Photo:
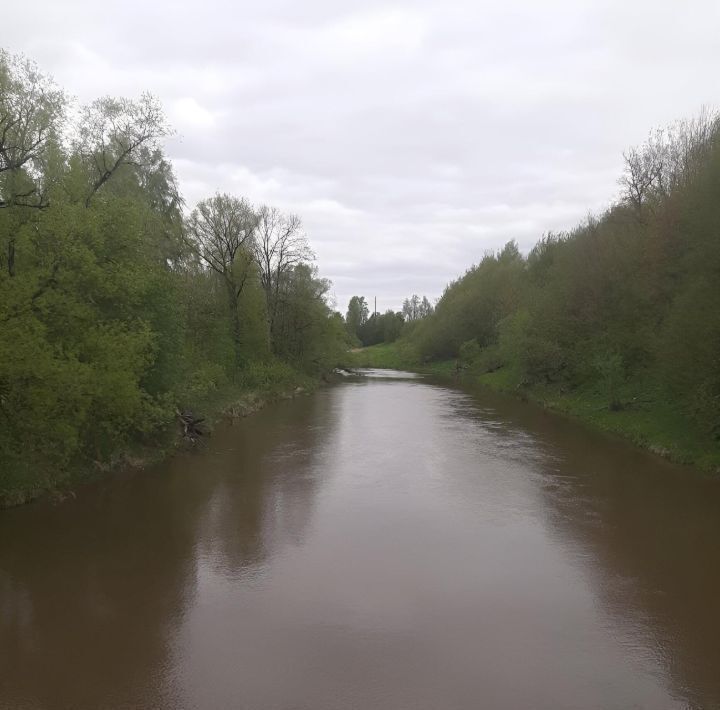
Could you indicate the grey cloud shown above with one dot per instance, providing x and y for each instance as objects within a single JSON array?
[{"x": 411, "y": 137}]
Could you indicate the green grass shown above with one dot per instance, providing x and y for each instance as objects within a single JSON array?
[
  {"x": 392, "y": 356},
  {"x": 647, "y": 418}
]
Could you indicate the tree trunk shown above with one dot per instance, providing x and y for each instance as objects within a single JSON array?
[
  {"x": 11, "y": 257},
  {"x": 234, "y": 316}
]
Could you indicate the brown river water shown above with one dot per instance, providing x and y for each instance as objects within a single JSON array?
[{"x": 387, "y": 543}]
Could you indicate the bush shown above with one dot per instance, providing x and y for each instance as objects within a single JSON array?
[
  {"x": 469, "y": 351},
  {"x": 611, "y": 370}
]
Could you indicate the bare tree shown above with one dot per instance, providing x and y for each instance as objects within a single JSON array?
[
  {"x": 667, "y": 159},
  {"x": 116, "y": 132},
  {"x": 280, "y": 246},
  {"x": 643, "y": 172},
  {"x": 688, "y": 143},
  {"x": 221, "y": 231}
]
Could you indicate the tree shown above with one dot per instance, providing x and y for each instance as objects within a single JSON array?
[
  {"x": 415, "y": 308},
  {"x": 411, "y": 307},
  {"x": 32, "y": 110},
  {"x": 643, "y": 171},
  {"x": 357, "y": 314},
  {"x": 117, "y": 132},
  {"x": 381, "y": 328},
  {"x": 116, "y": 312},
  {"x": 280, "y": 246},
  {"x": 221, "y": 231},
  {"x": 668, "y": 159},
  {"x": 307, "y": 332}
]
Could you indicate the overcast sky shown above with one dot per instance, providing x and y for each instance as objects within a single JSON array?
[{"x": 411, "y": 137}]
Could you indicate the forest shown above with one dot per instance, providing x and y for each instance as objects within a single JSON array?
[
  {"x": 621, "y": 313},
  {"x": 121, "y": 307}
]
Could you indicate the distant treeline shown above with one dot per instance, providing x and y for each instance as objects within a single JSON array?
[
  {"x": 118, "y": 309},
  {"x": 370, "y": 329},
  {"x": 631, "y": 296}
]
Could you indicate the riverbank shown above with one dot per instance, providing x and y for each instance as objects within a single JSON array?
[
  {"x": 256, "y": 389},
  {"x": 646, "y": 418}
]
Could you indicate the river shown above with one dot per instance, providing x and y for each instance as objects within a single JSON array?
[{"x": 386, "y": 543}]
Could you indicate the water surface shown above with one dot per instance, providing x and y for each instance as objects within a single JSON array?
[{"x": 386, "y": 543}]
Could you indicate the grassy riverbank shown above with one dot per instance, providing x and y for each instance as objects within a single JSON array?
[
  {"x": 258, "y": 386},
  {"x": 645, "y": 417}
]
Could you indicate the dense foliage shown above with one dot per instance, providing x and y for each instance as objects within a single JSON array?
[
  {"x": 629, "y": 298},
  {"x": 371, "y": 329},
  {"x": 117, "y": 308}
]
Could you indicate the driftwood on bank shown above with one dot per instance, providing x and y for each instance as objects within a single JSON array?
[{"x": 190, "y": 425}]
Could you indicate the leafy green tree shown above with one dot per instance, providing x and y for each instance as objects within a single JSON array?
[
  {"x": 118, "y": 132},
  {"x": 357, "y": 314},
  {"x": 381, "y": 328},
  {"x": 32, "y": 111},
  {"x": 626, "y": 298},
  {"x": 308, "y": 333},
  {"x": 416, "y": 308},
  {"x": 115, "y": 310}
]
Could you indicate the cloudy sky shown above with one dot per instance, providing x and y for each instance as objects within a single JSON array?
[{"x": 411, "y": 137}]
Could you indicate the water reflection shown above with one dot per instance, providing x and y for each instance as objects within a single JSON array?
[
  {"x": 266, "y": 478},
  {"x": 91, "y": 589},
  {"x": 386, "y": 543},
  {"x": 645, "y": 532}
]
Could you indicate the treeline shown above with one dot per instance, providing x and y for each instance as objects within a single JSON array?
[
  {"x": 118, "y": 309},
  {"x": 370, "y": 329},
  {"x": 627, "y": 302}
]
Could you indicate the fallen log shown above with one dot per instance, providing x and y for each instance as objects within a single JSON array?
[{"x": 189, "y": 424}]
